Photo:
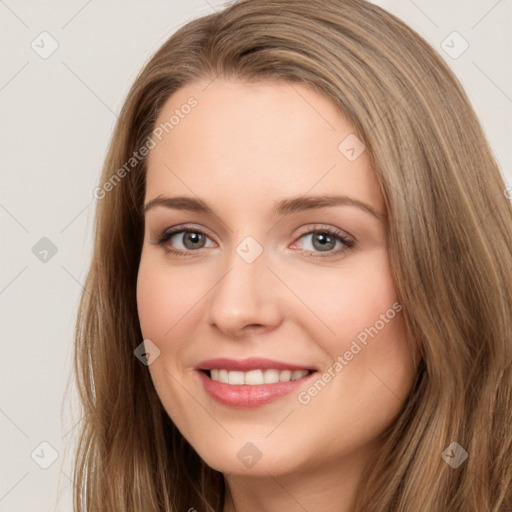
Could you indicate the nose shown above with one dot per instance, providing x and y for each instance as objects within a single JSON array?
[{"x": 245, "y": 299}]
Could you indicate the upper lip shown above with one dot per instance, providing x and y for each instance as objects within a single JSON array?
[{"x": 251, "y": 363}]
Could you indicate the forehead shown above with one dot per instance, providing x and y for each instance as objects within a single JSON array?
[{"x": 242, "y": 143}]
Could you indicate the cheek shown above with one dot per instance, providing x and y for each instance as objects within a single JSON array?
[
  {"x": 374, "y": 369},
  {"x": 165, "y": 306},
  {"x": 166, "y": 300},
  {"x": 152, "y": 301},
  {"x": 364, "y": 326},
  {"x": 351, "y": 298}
]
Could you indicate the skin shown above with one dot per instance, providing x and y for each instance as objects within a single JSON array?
[{"x": 241, "y": 149}]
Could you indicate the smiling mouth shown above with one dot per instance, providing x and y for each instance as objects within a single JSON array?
[
  {"x": 255, "y": 377},
  {"x": 251, "y": 383}
]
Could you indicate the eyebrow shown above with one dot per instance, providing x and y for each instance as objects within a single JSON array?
[{"x": 281, "y": 207}]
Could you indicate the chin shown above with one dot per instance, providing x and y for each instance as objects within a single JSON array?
[{"x": 241, "y": 457}]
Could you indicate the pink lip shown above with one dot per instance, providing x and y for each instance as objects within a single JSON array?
[
  {"x": 243, "y": 395},
  {"x": 245, "y": 365}
]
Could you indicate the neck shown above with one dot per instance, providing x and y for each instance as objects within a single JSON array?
[{"x": 330, "y": 487}]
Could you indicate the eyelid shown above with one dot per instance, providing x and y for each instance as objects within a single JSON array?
[
  {"x": 308, "y": 229},
  {"x": 182, "y": 227},
  {"x": 327, "y": 227},
  {"x": 347, "y": 240}
]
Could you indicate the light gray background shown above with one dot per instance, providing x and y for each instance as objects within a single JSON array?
[{"x": 57, "y": 117}]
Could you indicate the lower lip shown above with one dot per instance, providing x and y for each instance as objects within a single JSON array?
[{"x": 248, "y": 396}]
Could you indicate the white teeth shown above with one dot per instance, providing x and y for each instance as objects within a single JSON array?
[
  {"x": 271, "y": 376},
  {"x": 285, "y": 375},
  {"x": 253, "y": 377},
  {"x": 256, "y": 377},
  {"x": 236, "y": 377},
  {"x": 298, "y": 374}
]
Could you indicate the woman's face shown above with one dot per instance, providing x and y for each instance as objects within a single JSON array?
[{"x": 282, "y": 272}]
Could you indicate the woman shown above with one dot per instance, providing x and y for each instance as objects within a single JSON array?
[{"x": 300, "y": 294}]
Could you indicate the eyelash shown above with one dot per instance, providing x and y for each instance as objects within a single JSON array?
[{"x": 336, "y": 234}]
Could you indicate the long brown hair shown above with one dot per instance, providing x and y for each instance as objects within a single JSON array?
[{"x": 449, "y": 239}]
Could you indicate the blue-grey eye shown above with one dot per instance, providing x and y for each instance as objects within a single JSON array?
[{"x": 190, "y": 239}]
